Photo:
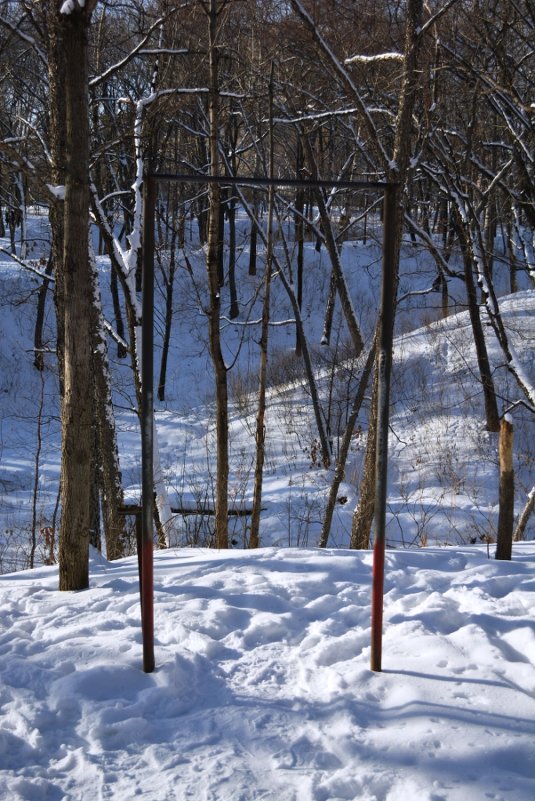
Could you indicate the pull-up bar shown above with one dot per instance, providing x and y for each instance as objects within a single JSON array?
[{"x": 384, "y": 366}]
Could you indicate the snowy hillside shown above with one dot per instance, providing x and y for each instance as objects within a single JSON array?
[
  {"x": 262, "y": 688},
  {"x": 443, "y": 472}
]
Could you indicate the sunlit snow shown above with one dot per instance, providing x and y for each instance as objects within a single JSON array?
[{"x": 262, "y": 687}]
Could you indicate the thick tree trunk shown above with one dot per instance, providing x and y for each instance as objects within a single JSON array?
[
  {"x": 329, "y": 311},
  {"x": 77, "y": 414}
]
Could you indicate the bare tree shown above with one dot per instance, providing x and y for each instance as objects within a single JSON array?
[{"x": 77, "y": 413}]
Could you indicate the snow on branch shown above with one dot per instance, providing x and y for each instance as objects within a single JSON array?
[
  {"x": 515, "y": 405},
  {"x": 360, "y": 59},
  {"x": 38, "y": 134},
  {"x": 58, "y": 191},
  {"x": 347, "y": 80},
  {"x": 77, "y": 5},
  {"x": 249, "y": 323},
  {"x": 71, "y": 5},
  {"x": 435, "y": 252},
  {"x": 25, "y": 37},
  {"x": 114, "y": 335},
  {"x": 158, "y": 51},
  {"x": 436, "y": 16},
  {"x": 18, "y": 160},
  {"x": 28, "y": 266},
  {"x": 315, "y": 116},
  {"x": 115, "y": 67}
]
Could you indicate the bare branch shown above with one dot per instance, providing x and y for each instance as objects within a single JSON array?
[{"x": 25, "y": 38}]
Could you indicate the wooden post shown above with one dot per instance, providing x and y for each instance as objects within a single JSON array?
[{"x": 504, "y": 545}]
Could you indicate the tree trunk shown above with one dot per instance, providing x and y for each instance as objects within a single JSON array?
[
  {"x": 299, "y": 235},
  {"x": 339, "y": 470},
  {"x": 489, "y": 395},
  {"x": 329, "y": 311},
  {"x": 253, "y": 239},
  {"x": 77, "y": 413},
  {"x": 309, "y": 370},
  {"x": 2, "y": 225},
  {"x": 524, "y": 516},
  {"x": 504, "y": 543},
  {"x": 213, "y": 268},
  {"x": 117, "y": 311},
  {"x": 95, "y": 538},
  {"x": 169, "y": 290},
  {"x": 363, "y": 516},
  {"x": 334, "y": 256},
  {"x": 254, "y": 540},
  {"x": 231, "y": 216},
  {"x": 398, "y": 172},
  {"x": 56, "y": 83},
  {"x": 38, "y": 357},
  {"x": 109, "y": 472}
]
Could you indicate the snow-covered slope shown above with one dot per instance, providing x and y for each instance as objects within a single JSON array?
[{"x": 443, "y": 473}]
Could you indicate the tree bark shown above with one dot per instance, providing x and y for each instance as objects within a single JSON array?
[
  {"x": 397, "y": 171},
  {"x": 56, "y": 83},
  {"x": 109, "y": 479},
  {"x": 77, "y": 413},
  {"x": 214, "y": 311},
  {"x": 524, "y": 516},
  {"x": 169, "y": 282},
  {"x": 489, "y": 395},
  {"x": 504, "y": 544},
  {"x": 363, "y": 516},
  {"x": 254, "y": 540},
  {"x": 38, "y": 343},
  {"x": 339, "y": 470}
]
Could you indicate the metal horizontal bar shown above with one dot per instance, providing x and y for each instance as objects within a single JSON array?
[{"x": 237, "y": 180}]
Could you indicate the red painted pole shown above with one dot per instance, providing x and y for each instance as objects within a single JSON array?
[
  {"x": 384, "y": 367},
  {"x": 147, "y": 427}
]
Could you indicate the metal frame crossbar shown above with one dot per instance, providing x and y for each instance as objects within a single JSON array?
[{"x": 384, "y": 364}]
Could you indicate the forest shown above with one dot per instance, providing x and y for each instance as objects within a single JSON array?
[{"x": 268, "y": 284}]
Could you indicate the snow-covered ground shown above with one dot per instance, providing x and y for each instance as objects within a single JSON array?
[{"x": 262, "y": 687}]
